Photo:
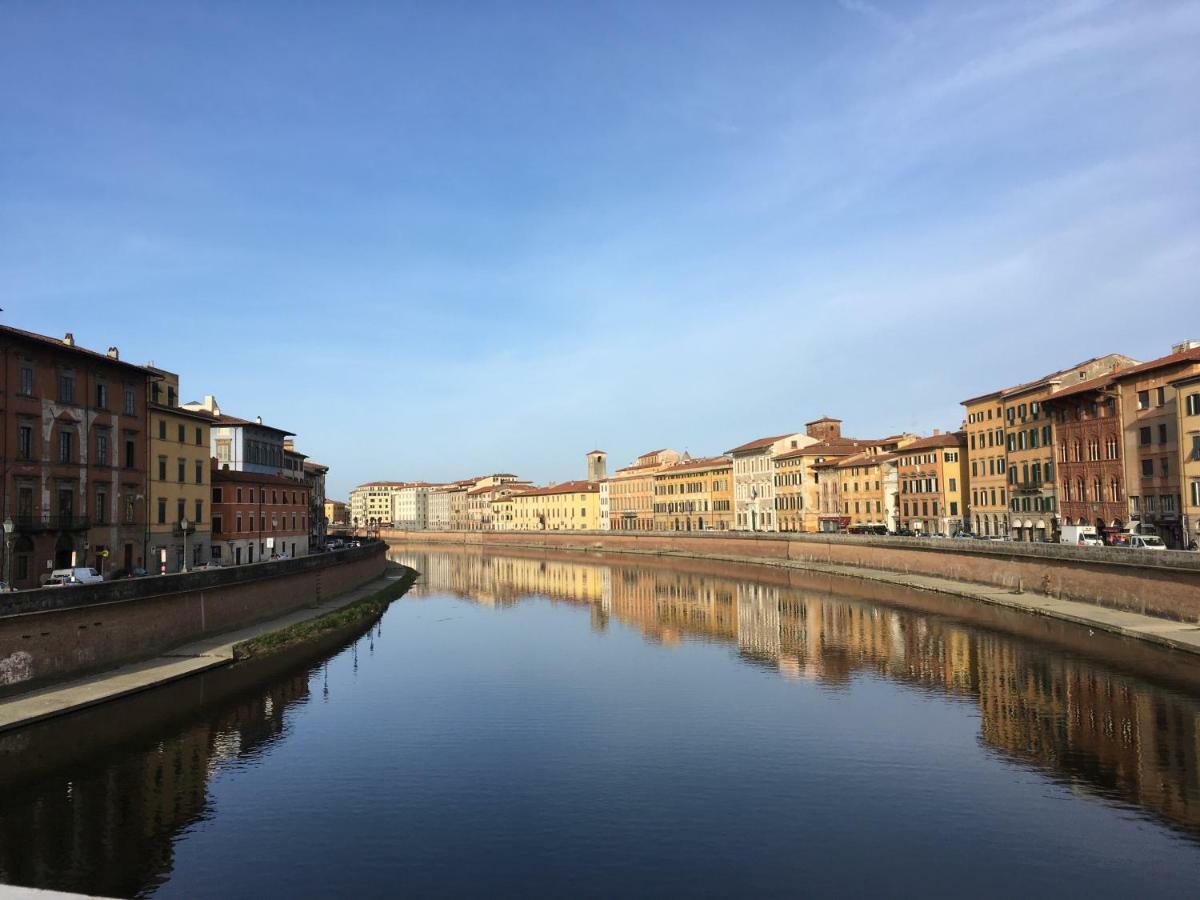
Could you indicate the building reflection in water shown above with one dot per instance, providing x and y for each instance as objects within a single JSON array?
[
  {"x": 107, "y": 824},
  {"x": 1116, "y": 734}
]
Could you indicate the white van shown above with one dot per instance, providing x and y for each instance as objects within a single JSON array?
[
  {"x": 77, "y": 575},
  {"x": 1146, "y": 542}
]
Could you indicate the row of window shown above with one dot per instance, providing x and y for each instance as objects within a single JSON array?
[
  {"x": 66, "y": 391},
  {"x": 65, "y": 510},
  {"x": 181, "y": 433},
  {"x": 180, "y": 511},
  {"x": 981, "y": 497},
  {"x": 1112, "y": 450},
  {"x": 278, "y": 522},
  {"x": 296, "y": 497},
  {"x": 181, "y": 470},
  {"x": 68, "y": 446}
]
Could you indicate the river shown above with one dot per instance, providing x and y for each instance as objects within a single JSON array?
[{"x": 586, "y": 725}]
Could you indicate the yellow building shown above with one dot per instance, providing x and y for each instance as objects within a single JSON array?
[
  {"x": 867, "y": 488},
  {"x": 933, "y": 484},
  {"x": 1187, "y": 403},
  {"x": 987, "y": 512},
  {"x": 179, "y": 480},
  {"x": 337, "y": 512},
  {"x": 570, "y": 506},
  {"x": 694, "y": 495}
]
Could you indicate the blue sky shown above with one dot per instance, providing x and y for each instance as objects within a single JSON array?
[{"x": 447, "y": 238}]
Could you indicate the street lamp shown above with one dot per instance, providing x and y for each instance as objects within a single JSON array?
[
  {"x": 9, "y": 527},
  {"x": 183, "y": 526}
]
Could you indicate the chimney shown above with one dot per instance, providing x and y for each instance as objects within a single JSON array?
[
  {"x": 1185, "y": 346},
  {"x": 936, "y": 432},
  {"x": 69, "y": 340},
  {"x": 258, "y": 420},
  {"x": 114, "y": 353}
]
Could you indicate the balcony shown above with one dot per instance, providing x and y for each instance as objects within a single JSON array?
[
  {"x": 38, "y": 524},
  {"x": 1030, "y": 487}
]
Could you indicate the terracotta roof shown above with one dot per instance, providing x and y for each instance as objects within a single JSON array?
[
  {"x": 57, "y": 344},
  {"x": 833, "y": 447},
  {"x": 313, "y": 465},
  {"x": 590, "y": 452},
  {"x": 371, "y": 484},
  {"x": 1162, "y": 362},
  {"x": 1028, "y": 385},
  {"x": 951, "y": 439},
  {"x": 567, "y": 487},
  {"x": 1092, "y": 384},
  {"x": 234, "y": 421},
  {"x": 180, "y": 411},
  {"x": 863, "y": 459},
  {"x": 822, "y": 419},
  {"x": 700, "y": 463},
  {"x": 760, "y": 443}
]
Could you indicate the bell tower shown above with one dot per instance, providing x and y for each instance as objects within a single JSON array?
[{"x": 597, "y": 466}]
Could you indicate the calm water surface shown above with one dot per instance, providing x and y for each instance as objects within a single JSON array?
[{"x": 574, "y": 725}]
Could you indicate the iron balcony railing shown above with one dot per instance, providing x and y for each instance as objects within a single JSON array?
[{"x": 28, "y": 524}]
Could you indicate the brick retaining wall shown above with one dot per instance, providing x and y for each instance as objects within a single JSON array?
[
  {"x": 1156, "y": 583},
  {"x": 58, "y": 633}
]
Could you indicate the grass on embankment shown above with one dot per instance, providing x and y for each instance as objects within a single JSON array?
[{"x": 369, "y": 607}]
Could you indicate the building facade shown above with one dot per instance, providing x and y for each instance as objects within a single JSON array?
[
  {"x": 1025, "y": 456},
  {"x": 257, "y": 518},
  {"x": 754, "y": 479},
  {"x": 75, "y": 479},
  {"x": 439, "y": 507},
  {"x": 987, "y": 457},
  {"x": 410, "y": 507},
  {"x": 933, "y": 481},
  {"x": 1090, "y": 453},
  {"x": 318, "y": 524},
  {"x": 570, "y": 506},
  {"x": 337, "y": 513},
  {"x": 243, "y": 445},
  {"x": 1188, "y": 406},
  {"x": 868, "y": 484},
  {"x": 694, "y": 495},
  {"x": 371, "y": 504},
  {"x": 631, "y": 491},
  {"x": 1150, "y": 418},
  {"x": 180, "y": 483}
]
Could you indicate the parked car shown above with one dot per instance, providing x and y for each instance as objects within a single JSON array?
[
  {"x": 79, "y": 574},
  {"x": 5, "y": 589},
  {"x": 55, "y": 581},
  {"x": 120, "y": 574},
  {"x": 211, "y": 564},
  {"x": 1145, "y": 542}
]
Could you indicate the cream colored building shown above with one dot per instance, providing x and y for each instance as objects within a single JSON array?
[
  {"x": 754, "y": 479},
  {"x": 570, "y": 506},
  {"x": 373, "y": 503}
]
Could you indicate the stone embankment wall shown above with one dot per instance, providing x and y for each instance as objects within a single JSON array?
[
  {"x": 1156, "y": 583},
  {"x": 57, "y": 633}
]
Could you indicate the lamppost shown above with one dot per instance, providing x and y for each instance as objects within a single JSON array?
[
  {"x": 183, "y": 526},
  {"x": 9, "y": 527}
]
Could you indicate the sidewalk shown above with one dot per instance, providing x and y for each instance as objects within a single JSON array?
[{"x": 189, "y": 659}]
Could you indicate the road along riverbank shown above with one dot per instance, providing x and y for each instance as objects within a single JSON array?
[
  {"x": 1150, "y": 596},
  {"x": 58, "y": 634},
  {"x": 323, "y": 622}
]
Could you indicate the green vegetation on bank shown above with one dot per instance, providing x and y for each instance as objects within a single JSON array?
[{"x": 369, "y": 607}]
